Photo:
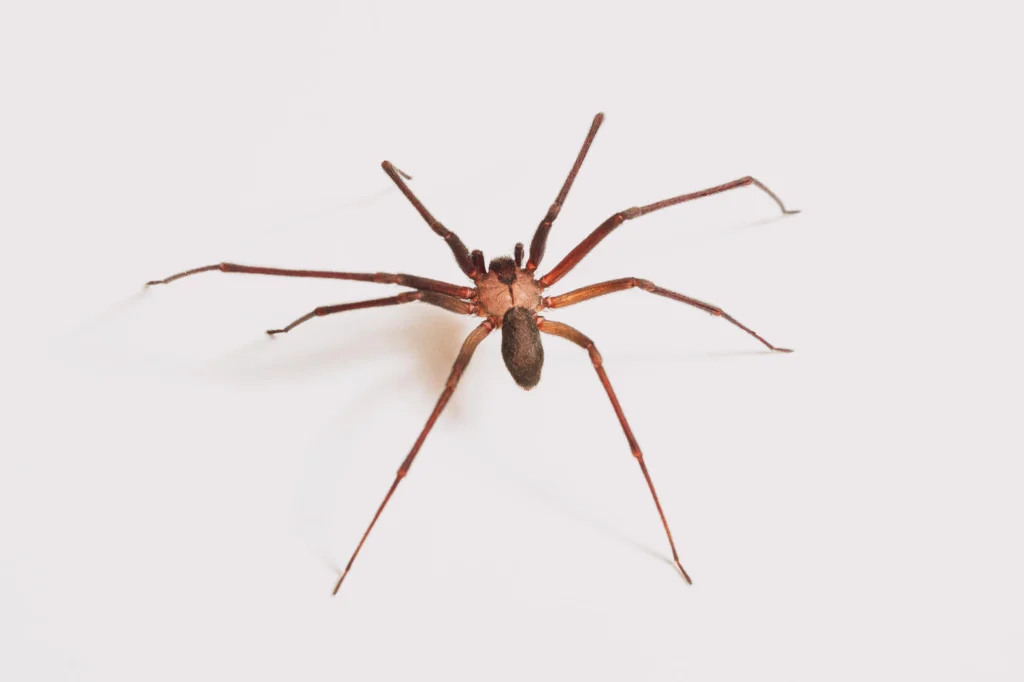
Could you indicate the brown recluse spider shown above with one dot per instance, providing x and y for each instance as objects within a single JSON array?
[{"x": 508, "y": 296}]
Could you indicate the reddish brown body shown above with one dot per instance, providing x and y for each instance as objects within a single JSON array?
[
  {"x": 509, "y": 297},
  {"x": 495, "y": 296}
]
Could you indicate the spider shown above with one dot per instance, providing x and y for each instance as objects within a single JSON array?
[{"x": 510, "y": 297}]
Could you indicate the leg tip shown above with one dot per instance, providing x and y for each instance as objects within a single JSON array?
[
  {"x": 337, "y": 586},
  {"x": 272, "y": 332},
  {"x": 791, "y": 211},
  {"x": 783, "y": 350}
]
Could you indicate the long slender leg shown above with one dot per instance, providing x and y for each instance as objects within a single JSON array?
[
  {"x": 612, "y": 286},
  {"x": 605, "y": 228},
  {"x": 540, "y": 237},
  {"x": 378, "y": 277},
  {"x": 459, "y": 250},
  {"x": 470, "y": 344},
  {"x": 451, "y": 303},
  {"x": 577, "y": 337}
]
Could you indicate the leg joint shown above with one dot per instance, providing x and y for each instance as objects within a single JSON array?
[{"x": 409, "y": 296}]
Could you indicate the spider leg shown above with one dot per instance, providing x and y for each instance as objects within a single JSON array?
[
  {"x": 577, "y": 337},
  {"x": 468, "y": 347},
  {"x": 540, "y": 237},
  {"x": 441, "y": 300},
  {"x": 604, "y": 229},
  {"x": 378, "y": 277},
  {"x": 459, "y": 250},
  {"x": 612, "y": 286}
]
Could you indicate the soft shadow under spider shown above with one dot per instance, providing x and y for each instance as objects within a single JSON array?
[
  {"x": 662, "y": 358},
  {"x": 425, "y": 339},
  {"x": 559, "y": 504},
  {"x": 748, "y": 225},
  {"x": 104, "y": 315},
  {"x": 508, "y": 296}
]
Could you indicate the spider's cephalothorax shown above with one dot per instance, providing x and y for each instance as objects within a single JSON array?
[{"x": 509, "y": 297}]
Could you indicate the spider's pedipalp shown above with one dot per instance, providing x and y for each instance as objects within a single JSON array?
[{"x": 479, "y": 265}]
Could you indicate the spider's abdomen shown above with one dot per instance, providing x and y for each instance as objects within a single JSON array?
[{"x": 521, "y": 347}]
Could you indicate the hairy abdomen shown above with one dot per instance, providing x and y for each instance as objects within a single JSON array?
[{"x": 521, "y": 347}]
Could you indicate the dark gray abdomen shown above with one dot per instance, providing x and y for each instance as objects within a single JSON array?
[{"x": 521, "y": 347}]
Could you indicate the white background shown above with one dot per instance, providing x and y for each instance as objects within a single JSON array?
[{"x": 178, "y": 491}]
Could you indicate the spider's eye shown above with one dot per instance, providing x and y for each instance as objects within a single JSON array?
[{"x": 521, "y": 347}]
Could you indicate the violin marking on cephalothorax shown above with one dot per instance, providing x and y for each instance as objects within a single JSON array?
[{"x": 505, "y": 286}]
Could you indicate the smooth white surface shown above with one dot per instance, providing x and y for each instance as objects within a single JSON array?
[{"x": 177, "y": 491}]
